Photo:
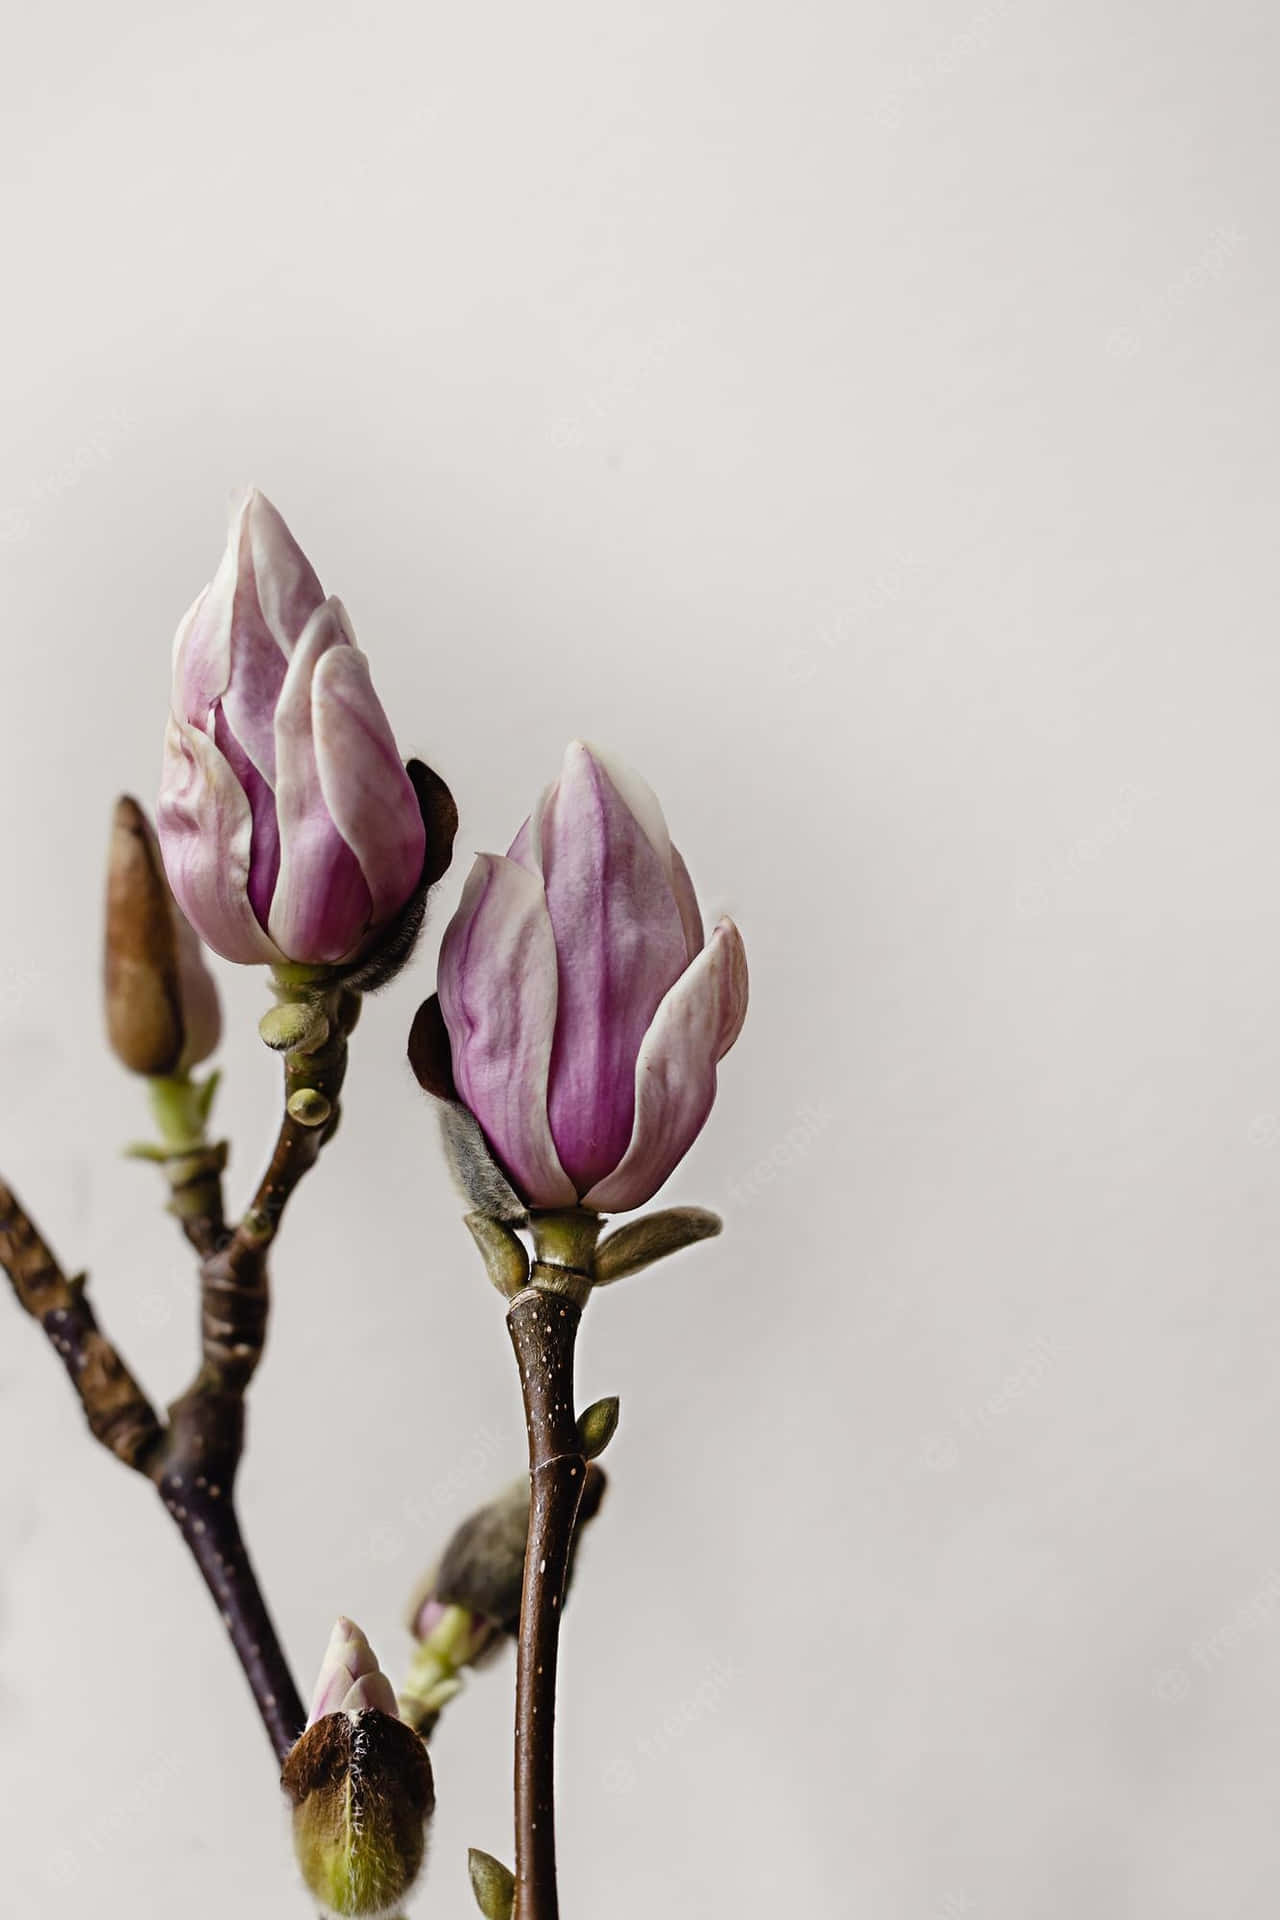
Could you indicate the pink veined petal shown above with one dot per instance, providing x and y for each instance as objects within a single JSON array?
[
  {"x": 620, "y": 945},
  {"x": 637, "y": 796},
  {"x": 369, "y": 795},
  {"x": 276, "y": 594},
  {"x": 497, "y": 985},
  {"x": 264, "y": 855},
  {"x": 321, "y": 906},
  {"x": 202, "y": 649},
  {"x": 288, "y": 590},
  {"x": 205, "y": 828},
  {"x": 642, "y": 802},
  {"x": 694, "y": 1028}
]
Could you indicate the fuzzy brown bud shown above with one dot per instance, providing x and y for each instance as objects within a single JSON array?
[
  {"x": 161, "y": 1001},
  {"x": 362, "y": 1793}
]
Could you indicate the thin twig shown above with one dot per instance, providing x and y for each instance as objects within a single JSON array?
[
  {"x": 543, "y": 1327},
  {"x": 193, "y": 1459}
]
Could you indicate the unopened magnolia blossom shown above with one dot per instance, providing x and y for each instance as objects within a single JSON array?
[
  {"x": 350, "y": 1679},
  {"x": 585, "y": 1012},
  {"x": 289, "y": 827}
]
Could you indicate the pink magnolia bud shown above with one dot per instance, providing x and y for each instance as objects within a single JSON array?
[
  {"x": 584, "y": 1012},
  {"x": 289, "y": 827},
  {"x": 360, "y": 1785},
  {"x": 350, "y": 1679}
]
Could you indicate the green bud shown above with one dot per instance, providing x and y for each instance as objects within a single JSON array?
[
  {"x": 493, "y": 1884},
  {"x": 362, "y": 1795},
  {"x": 309, "y": 1107},
  {"x": 295, "y": 1025},
  {"x": 502, "y": 1251},
  {"x": 651, "y": 1238},
  {"x": 597, "y": 1426}
]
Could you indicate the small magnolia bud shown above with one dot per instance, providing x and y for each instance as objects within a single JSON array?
[
  {"x": 295, "y": 1024},
  {"x": 597, "y": 1426},
  {"x": 361, "y": 1786},
  {"x": 309, "y": 1107},
  {"x": 161, "y": 1001},
  {"x": 462, "y": 1611},
  {"x": 493, "y": 1884},
  {"x": 482, "y": 1567}
]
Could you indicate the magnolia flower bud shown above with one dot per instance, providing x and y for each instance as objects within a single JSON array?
[
  {"x": 584, "y": 1011},
  {"x": 290, "y": 829},
  {"x": 161, "y": 1002},
  {"x": 465, "y": 1608},
  {"x": 361, "y": 1787}
]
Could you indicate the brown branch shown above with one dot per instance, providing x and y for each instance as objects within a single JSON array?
[
  {"x": 195, "y": 1189},
  {"x": 120, "y": 1416},
  {"x": 543, "y": 1326},
  {"x": 193, "y": 1460}
]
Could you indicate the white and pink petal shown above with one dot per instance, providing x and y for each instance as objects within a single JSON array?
[
  {"x": 675, "y": 1088},
  {"x": 498, "y": 995}
]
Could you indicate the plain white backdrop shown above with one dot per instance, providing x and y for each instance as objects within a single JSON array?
[{"x": 863, "y": 420}]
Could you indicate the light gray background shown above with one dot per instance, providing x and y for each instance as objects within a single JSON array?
[{"x": 862, "y": 420}]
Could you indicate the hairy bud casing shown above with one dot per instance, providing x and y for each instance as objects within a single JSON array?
[{"x": 362, "y": 1793}]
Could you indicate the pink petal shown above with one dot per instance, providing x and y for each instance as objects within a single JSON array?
[
  {"x": 637, "y": 796},
  {"x": 368, "y": 794},
  {"x": 348, "y": 1659},
  {"x": 205, "y": 827},
  {"x": 372, "y": 1690},
  {"x": 321, "y": 905},
  {"x": 288, "y": 590},
  {"x": 695, "y": 1026},
  {"x": 202, "y": 649},
  {"x": 497, "y": 985},
  {"x": 264, "y": 856},
  {"x": 277, "y": 592},
  {"x": 620, "y": 944}
]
